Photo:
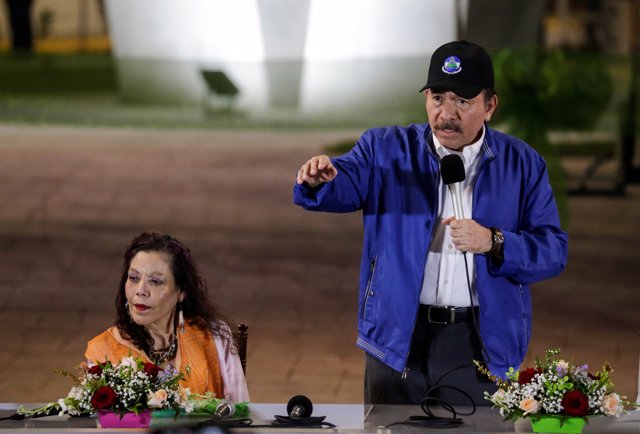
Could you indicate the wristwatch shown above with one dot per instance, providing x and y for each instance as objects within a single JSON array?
[{"x": 497, "y": 242}]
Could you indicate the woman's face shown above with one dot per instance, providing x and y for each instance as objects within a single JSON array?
[{"x": 151, "y": 290}]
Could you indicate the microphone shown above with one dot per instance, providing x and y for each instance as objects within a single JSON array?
[
  {"x": 299, "y": 409},
  {"x": 299, "y": 406},
  {"x": 452, "y": 172},
  {"x": 224, "y": 409}
]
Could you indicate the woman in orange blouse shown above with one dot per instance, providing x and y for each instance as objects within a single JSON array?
[{"x": 164, "y": 315}]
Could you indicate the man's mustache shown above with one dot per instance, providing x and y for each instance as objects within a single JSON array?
[{"x": 449, "y": 126}]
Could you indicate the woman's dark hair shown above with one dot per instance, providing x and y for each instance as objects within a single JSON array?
[{"x": 198, "y": 309}]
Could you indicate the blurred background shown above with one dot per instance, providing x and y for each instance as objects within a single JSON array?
[{"x": 193, "y": 117}]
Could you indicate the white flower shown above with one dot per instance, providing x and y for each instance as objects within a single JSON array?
[
  {"x": 157, "y": 399},
  {"x": 611, "y": 405},
  {"x": 183, "y": 399},
  {"x": 75, "y": 412},
  {"x": 63, "y": 407},
  {"x": 130, "y": 362},
  {"x": 187, "y": 406},
  {"x": 183, "y": 394},
  {"x": 499, "y": 397},
  {"x": 530, "y": 406},
  {"x": 75, "y": 393}
]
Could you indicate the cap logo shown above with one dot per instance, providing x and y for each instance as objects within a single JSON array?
[{"x": 451, "y": 65}]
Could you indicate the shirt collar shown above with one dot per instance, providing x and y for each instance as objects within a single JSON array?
[{"x": 468, "y": 153}]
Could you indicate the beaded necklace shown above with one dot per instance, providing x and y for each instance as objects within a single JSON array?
[{"x": 162, "y": 355}]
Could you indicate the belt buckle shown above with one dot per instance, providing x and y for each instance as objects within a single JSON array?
[{"x": 452, "y": 311}]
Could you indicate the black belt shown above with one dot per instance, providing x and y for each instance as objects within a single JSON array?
[{"x": 446, "y": 314}]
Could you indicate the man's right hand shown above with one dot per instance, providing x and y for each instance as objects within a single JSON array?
[{"x": 317, "y": 170}]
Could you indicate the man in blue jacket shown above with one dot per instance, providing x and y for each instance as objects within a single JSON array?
[{"x": 427, "y": 309}]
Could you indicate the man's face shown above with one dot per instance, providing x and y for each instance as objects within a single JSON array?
[{"x": 456, "y": 121}]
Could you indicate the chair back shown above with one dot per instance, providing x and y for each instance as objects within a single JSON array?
[{"x": 242, "y": 335}]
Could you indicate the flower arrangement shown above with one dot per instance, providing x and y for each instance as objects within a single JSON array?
[
  {"x": 555, "y": 387},
  {"x": 131, "y": 386}
]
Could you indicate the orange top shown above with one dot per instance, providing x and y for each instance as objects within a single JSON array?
[{"x": 196, "y": 349}]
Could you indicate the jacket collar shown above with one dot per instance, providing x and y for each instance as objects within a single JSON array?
[{"x": 489, "y": 147}]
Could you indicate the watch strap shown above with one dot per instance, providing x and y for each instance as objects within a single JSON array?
[{"x": 497, "y": 242}]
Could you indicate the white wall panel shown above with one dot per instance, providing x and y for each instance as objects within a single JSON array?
[
  {"x": 186, "y": 29},
  {"x": 310, "y": 56},
  {"x": 355, "y": 29}
]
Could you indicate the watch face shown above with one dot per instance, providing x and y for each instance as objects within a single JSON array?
[{"x": 498, "y": 238}]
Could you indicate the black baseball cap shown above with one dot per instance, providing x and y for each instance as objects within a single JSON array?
[{"x": 461, "y": 67}]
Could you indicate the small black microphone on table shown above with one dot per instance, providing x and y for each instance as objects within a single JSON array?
[
  {"x": 299, "y": 406},
  {"x": 224, "y": 409},
  {"x": 452, "y": 172}
]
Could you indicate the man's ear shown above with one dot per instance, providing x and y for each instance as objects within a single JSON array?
[
  {"x": 181, "y": 296},
  {"x": 490, "y": 108}
]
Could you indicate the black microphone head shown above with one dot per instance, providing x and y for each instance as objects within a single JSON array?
[
  {"x": 452, "y": 169},
  {"x": 301, "y": 405}
]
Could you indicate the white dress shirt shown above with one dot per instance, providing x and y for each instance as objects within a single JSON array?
[{"x": 445, "y": 281}]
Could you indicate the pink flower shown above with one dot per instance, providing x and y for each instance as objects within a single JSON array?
[
  {"x": 157, "y": 399},
  {"x": 530, "y": 406},
  {"x": 611, "y": 405},
  {"x": 562, "y": 368}
]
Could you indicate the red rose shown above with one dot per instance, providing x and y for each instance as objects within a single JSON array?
[
  {"x": 95, "y": 370},
  {"x": 152, "y": 370},
  {"x": 575, "y": 403},
  {"x": 103, "y": 397},
  {"x": 525, "y": 377}
]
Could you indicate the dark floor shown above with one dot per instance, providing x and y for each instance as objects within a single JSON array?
[{"x": 71, "y": 199}]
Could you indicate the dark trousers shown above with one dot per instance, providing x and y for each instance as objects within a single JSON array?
[{"x": 440, "y": 355}]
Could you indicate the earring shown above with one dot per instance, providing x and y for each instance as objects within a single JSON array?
[
  {"x": 180, "y": 318},
  {"x": 126, "y": 306}
]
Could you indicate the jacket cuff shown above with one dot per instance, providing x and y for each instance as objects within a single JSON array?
[{"x": 308, "y": 196}]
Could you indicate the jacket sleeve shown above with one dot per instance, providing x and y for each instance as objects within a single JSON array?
[
  {"x": 537, "y": 249},
  {"x": 348, "y": 190}
]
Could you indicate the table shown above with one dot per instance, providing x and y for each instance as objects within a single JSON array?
[{"x": 348, "y": 418}]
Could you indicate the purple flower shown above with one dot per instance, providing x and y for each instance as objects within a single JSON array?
[
  {"x": 562, "y": 368},
  {"x": 167, "y": 374}
]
